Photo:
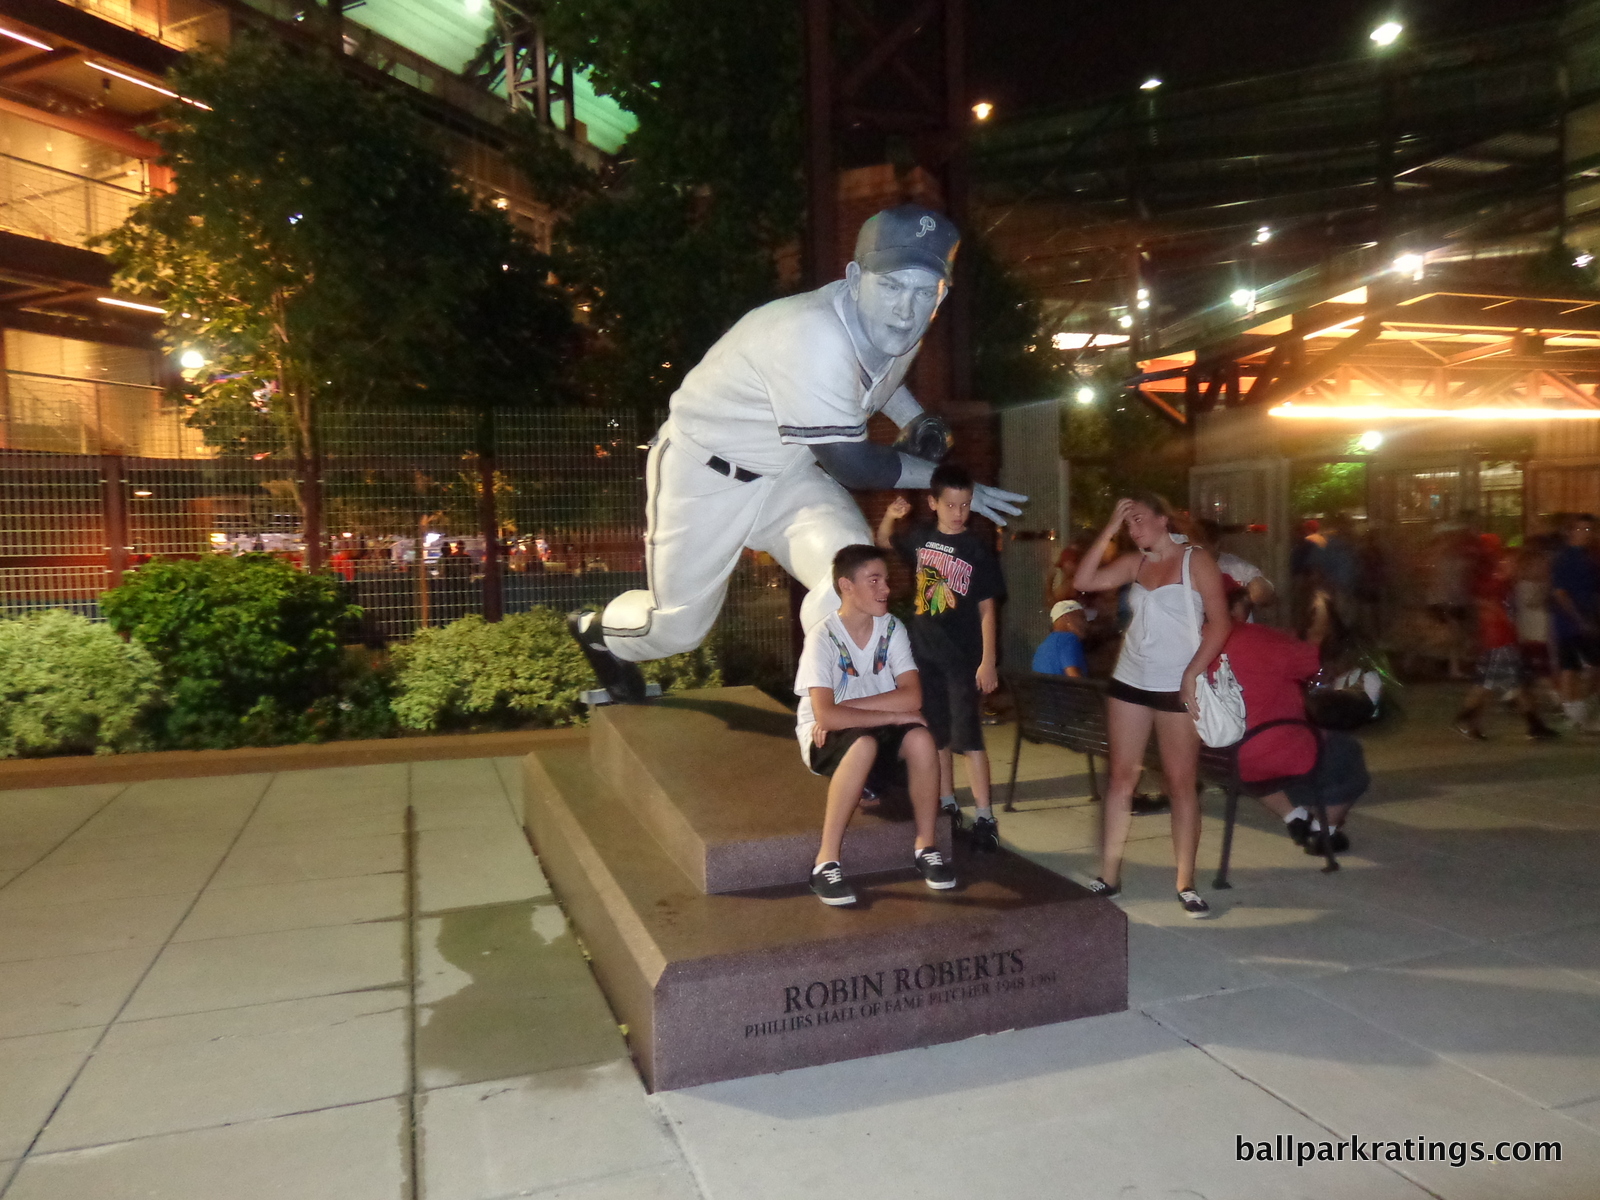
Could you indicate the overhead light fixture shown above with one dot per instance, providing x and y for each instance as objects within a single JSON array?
[
  {"x": 24, "y": 39},
  {"x": 501, "y": 203},
  {"x": 1583, "y": 260},
  {"x": 144, "y": 493},
  {"x": 1244, "y": 298},
  {"x": 1383, "y": 412},
  {"x": 1370, "y": 440},
  {"x": 144, "y": 83},
  {"x": 1085, "y": 395},
  {"x": 1151, "y": 84},
  {"x": 191, "y": 360},
  {"x": 1411, "y": 265},
  {"x": 473, "y": 7},
  {"x": 149, "y": 308},
  {"x": 983, "y": 110},
  {"x": 1084, "y": 341},
  {"x": 1263, "y": 235},
  {"x": 1387, "y": 34},
  {"x": 1125, "y": 321}
]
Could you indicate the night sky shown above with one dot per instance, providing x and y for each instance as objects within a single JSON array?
[{"x": 1037, "y": 53}]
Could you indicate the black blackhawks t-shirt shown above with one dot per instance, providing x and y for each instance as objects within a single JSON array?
[{"x": 951, "y": 575}]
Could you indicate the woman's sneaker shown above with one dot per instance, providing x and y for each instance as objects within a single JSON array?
[
  {"x": 1099, "y": 887},
  {"x": 827, "y": 881},
  {"x": 1193, "y": 904},
  {"x": 931, "y": 866}
]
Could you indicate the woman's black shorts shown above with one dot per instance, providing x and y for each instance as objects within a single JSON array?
[{"x": 1160, "y": 701}]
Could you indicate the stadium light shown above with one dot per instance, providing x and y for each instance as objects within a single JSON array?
[
  {"x": 1085, "y": 395},
  {"x": 983, "y": 110},
  {"x": 1387, "y": 34},
  {"x": 1151, "y": 84}
]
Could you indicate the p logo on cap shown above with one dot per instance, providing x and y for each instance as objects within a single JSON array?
[{"x": 907, "y": 236}]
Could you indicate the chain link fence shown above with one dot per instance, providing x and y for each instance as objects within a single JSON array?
[{"x": 402, "y": 502}]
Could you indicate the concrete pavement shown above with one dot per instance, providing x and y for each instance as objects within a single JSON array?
[{"x": 353, "y": 982}]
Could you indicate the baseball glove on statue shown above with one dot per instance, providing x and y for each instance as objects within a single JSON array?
[{"x": 926, "y": 437}]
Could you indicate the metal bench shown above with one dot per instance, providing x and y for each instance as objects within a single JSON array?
[{"x": 1071, "y": 713}]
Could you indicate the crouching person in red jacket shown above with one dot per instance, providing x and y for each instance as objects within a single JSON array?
[{"x": 1272, "y": 667}]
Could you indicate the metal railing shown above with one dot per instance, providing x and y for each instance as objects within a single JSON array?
[
  {"x": 53, "y": 205},
  {"x": 398, "y": 487},
  {"x": 65, "y": 415}
]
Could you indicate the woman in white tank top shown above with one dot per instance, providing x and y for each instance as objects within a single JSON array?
[{"x": 1152, "y": 687}]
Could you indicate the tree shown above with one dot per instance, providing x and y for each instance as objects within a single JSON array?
[
  {"x": 316, "y": 249},
  {"x": 682, "y": 237}
]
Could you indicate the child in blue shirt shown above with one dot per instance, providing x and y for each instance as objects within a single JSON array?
[{"x": 1062, "y": 652}]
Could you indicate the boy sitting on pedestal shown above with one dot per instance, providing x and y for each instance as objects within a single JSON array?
[{"x": 860, "y": 719}]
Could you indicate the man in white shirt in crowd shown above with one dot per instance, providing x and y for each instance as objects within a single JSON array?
[
  {"x": 766, "y": 434},
  {"x": 860, "y": 719}
]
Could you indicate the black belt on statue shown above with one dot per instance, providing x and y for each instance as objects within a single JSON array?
[{"x": 723, "y": 467}]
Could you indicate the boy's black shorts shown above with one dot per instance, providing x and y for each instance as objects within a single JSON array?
[
  {"x": 952, "y": 704},
  {"x": 887, "y": 768}
]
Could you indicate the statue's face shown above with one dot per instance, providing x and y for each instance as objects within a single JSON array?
[{"x": 896, "y": 308}]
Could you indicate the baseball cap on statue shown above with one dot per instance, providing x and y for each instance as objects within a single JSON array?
[{"x": 907, "y": 236}]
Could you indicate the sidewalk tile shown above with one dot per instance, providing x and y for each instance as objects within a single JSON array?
[
  {"x": 344, "y": 807},
  {"x": 71, "y": 992},
  {"x": 1110, "y": 1106},
  {"x": 192, "y": 1072},
  {"x": 1358, "y": 1080},
  {"x": 1299, "y": 929},
  {"x": 304, "y": 904},
  {"x": 44, "y": 816},
  {"x": 1164, "y": 966},
  {"x": 66, "y": 883},
  {"x": 1535, "y": 1029},
  {"x": 287, "y": 862},
  {"x": 506, "y": 989},
  {"x": 84, "y": 849},
  {"x": 90, "y": 926},
  {"x": 366, "y": 821},
  {"x": 36, "y": 1071},
  {"x": 482, "y": 1141},
  {"x": 350, "y": 1153},
  {"x": 322, "y": 783},
  {"x": 1576, "y": 949},
  {"x": 467, "y": 868},
  {"x": 179, "y": 806},
  {"x": 656, "y": 1183},
  {"x": 192, "y": 977}
]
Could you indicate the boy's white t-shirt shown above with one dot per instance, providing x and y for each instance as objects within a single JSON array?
[{"x": 831, "y": 659}]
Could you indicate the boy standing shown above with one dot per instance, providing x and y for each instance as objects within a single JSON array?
[
  {"x": 859, "y": 719},
  {"x": 953, "y": 634}
]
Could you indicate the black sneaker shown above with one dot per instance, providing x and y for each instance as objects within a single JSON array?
[
  {"x": 953, "y": 811},
  {"x": 1099, "y": 887},
  {"x": 1299, "y": 830},
  {"x": 1337, "y": 842},
  {"x": 1193, "y": 904},
  {"x": 986, "y": 835},
  {"x": 827, "y": 881},
  {"x": 931, "y": 866},
  {"x": 623, "y": 681}
]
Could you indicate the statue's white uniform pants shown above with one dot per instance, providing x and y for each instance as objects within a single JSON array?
[{"x": 698, "y": 521}]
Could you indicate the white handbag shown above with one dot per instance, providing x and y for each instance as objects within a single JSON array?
[{"x": 1218, "y": 696}]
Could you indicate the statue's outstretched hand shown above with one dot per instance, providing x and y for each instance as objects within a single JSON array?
[{"x": 992, "y": 502}]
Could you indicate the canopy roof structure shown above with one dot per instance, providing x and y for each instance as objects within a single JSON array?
[{"x": 1412, "y": 351}]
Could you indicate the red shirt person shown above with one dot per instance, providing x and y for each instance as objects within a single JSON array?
[{"x": 1271, "y": 667}]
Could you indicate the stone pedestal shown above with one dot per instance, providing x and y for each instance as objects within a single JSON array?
[{"x": 680, "y": 835}]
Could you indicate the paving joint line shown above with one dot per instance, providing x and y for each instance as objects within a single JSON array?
[
  {"x": 67, "y": 837},
  {"x": 16, "y": 1168},
  {"x": 1281, "y": 1099},
  {"x": 413, "y": 1149}
]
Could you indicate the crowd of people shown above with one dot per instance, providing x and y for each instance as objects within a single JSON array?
[{"x": 881, "y": 703}]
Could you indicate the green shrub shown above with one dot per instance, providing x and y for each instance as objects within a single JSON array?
[
  {"x": 524, "y": 670},
  {"x": 247, "y": 646},
  {"x": 68, "y": 685}
]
